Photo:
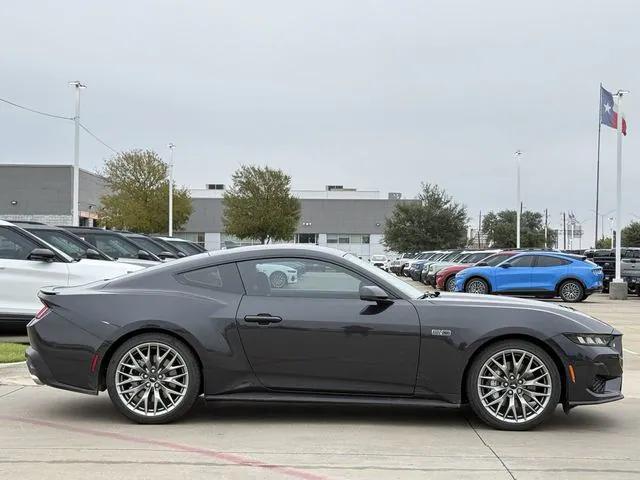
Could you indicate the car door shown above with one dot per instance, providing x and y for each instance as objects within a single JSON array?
[
  {"x": 20, "y": 277},
  {"x": 547, "y": 271},
  {"x": 514, "y": 275},
  {"x": 314, "y": 333}
]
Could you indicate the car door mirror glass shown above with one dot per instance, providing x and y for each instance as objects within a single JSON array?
[
  {"x": 505, "y": 265},
  {"x": 165, "y": 255},
  {"x": 144, "y": 255},
  {"x": 42, "y": 255}
]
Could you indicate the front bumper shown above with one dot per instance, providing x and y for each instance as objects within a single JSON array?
[
  {"x": 415, "y": 274},
  {"x": 597, "y": 369},
  {"x": 430, "y": 279}
]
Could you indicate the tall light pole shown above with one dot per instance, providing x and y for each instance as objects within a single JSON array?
[
  {"x": 517, "y": 154},
  {"x": 75, "y": 209},
  {"x": 171, "y": 147},
  {"x": 619, "y": 286}
]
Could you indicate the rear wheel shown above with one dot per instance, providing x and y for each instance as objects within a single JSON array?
[
  {"x": 571, "y": 291},
  {"x": 477, "y": 285},
  {"x": 513, "y": 385},
  {"x": 153, "y": 378},
  {"x": 450, "y": 284}
]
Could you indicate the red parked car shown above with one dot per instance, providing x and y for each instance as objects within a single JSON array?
[{"x": 446, "y": 278}]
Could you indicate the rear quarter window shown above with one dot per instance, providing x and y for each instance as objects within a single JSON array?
[{"x": 221, "y": 278}]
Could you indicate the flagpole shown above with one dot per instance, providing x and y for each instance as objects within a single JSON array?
[
  {"x": 595, "y": 240},
  {"x": 618, "y": 288}
]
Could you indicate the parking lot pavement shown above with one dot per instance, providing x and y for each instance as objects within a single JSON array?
[{"x": 50, "y": 433}]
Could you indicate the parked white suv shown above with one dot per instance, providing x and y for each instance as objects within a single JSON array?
[{"x": 27, "y": 264}]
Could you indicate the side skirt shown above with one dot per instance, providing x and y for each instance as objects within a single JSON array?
[{"x": 329, "y": 399}]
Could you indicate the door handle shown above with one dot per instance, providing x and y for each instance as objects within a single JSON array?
[{"x": 262, "y": 319}]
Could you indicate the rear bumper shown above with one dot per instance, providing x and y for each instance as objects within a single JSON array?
[{"x": 41, "y": 374}]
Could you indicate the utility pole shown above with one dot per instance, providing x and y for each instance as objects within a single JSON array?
[
  {"x": 75, "y": 208},
  {"x": 171, "y": 147},
  {"x": 479, "y": 228},
  {"x": 621, "y": 286},
  {"x": 546, "y": 228},
  {"x": 564, "y": 230},
  {"x": 517, "y": 154}
]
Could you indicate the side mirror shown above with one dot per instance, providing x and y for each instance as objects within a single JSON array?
[
  {"x": 41, "y": 255},
  {"x": 164, "y": 255},
  {"x": 181, "y": 254},
  {"x": 482, "y": 264},
  {"x": 373, "y": 293},
  {"x": 144, "y": 255},
  {"x": 92, "y": 254},
  {"x": 505, "y": 265}
]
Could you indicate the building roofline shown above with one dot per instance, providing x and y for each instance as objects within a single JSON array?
[{"x": 48, "y": 165}]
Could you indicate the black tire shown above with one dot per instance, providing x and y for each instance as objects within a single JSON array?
[
  {"x": 278, "y": 279},
  {"x": 473, "y": 377},
  {"x": 475, "y": 284},
  {"x": 571, "y": 291},
  {"x": 450, "y": 284},
  {"x": 191, "y": 391}
]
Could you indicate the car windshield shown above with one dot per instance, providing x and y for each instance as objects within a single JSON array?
[
  {"x": 72, "y": 247},
  {"x": 475, "y": 257},
  {"x": 116, "y": 247},
  {"x": 148, "y": 245},
  {"x": 186, "y": 247},
  {"x": 378, "y": 257},
  {"x": 494, "y": 260},
  {"x": 401, "y": 285}
]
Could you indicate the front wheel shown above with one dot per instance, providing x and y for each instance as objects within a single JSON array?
[
  {"x": 571, "y": 291},
  {"x": 450, "y": 284},
  {"x": 278, "y": 279},
  {"x": 477, "y": 285},
  {"x": 153, "y": 378},
  {"x": 513, "y": 385}
]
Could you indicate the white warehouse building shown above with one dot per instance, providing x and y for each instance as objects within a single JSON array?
[{"x": 338, "y": 217}]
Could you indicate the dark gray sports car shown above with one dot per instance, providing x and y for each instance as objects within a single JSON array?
[{"x": 243, "y": 324}]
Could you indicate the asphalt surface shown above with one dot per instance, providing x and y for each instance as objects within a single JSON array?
[{"x": 49, "y": 433}]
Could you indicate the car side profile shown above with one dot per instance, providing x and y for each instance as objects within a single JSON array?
[
  {"x": 446, "y": 278},
  {"x": 28, "y": 263},
  {"x": 544, "y": 273},
  {"x": 346, "y": 332}
]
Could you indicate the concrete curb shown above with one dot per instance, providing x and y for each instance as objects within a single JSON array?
[{"x": 6, "y": 365}]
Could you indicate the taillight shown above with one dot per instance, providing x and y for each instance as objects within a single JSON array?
[{"x": 42, "y": 312}]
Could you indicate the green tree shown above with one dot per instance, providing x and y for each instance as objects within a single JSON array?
[
  {"x": 435, "y": 221},
  {"x": 259, "y": 205},
  {"x": 604, "y": 243},
  {"x": 631, "y": 235},
  {"x": 500, "y": 229},
  {"x": 138, "y": 198}
]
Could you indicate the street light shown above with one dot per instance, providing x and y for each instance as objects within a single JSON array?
[
  {"x": 75, "y": 212},
  {"x": 171, "y": 147},
  {"x": 517, "y": 154}
]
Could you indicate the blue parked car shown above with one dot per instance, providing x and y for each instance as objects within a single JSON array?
[{"x": 544, "y": 274}]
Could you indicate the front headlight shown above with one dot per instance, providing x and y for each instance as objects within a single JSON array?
[{"x": 592, "y": 339}]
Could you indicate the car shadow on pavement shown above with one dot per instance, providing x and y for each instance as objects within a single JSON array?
[{"x": 92, "y": 409}]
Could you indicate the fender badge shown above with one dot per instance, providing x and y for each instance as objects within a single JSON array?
[{"x": 436, "y": 332}]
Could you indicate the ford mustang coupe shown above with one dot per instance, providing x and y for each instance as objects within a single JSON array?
[{"x": 344, "y": 332}]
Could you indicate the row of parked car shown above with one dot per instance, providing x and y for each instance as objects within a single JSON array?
[
  {"x": 539, "y": 273},
  {"x": 34, "y": 255}
]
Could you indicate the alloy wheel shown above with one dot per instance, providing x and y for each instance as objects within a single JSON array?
[
  {"x": 514, "y": 386},
  {"x": 278, "y": 279},
  {"x": 450, "y": 286},
  {"x": 571, "y": 291},
  {"x": 152, "y": 379},
  {"x": 477, "y": 286}
]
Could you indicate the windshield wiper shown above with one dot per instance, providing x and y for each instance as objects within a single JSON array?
[{"x": 429, "y": 295}]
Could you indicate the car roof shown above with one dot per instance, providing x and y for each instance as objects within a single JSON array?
[{"x": 549, "y": 253}]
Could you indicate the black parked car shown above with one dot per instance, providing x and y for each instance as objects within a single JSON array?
[{"x": 348, "y": 333}]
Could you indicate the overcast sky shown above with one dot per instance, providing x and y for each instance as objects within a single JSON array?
[{"x": 370, "y": 94}]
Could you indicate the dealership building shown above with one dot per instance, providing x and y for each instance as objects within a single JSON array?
[{"x": 344, "y": 218}]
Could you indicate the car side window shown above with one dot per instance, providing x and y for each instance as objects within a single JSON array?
[
  {"x": 14, "y": 246},
  {"x": 223, "y": 278},
  {"x": 545, "y": 261},
  {"x": 524, "y": 261},
  {"x": 305, "y": 278}
]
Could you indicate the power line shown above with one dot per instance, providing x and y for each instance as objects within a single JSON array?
[
  {"x": 35, "y": 111},
  {"x": 98, "y": 139}
]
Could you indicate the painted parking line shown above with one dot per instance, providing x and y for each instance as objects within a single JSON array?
[
  {"x": 227, "y": 457},
  {"x": 630, "y": 351}
]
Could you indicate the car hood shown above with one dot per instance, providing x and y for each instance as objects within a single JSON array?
[
  {"x": 104, "y": 267},
  {"x": 576, "y": 320}
]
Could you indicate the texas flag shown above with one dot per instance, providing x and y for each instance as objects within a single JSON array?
[{"x": 608, "y": 114}]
